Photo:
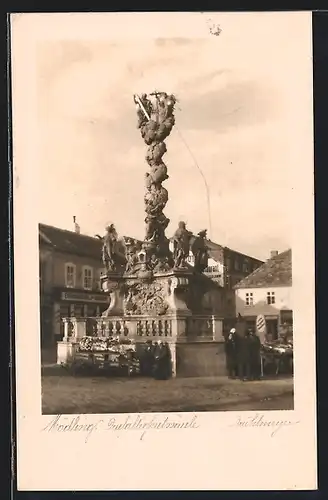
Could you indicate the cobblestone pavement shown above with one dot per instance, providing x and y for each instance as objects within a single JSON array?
[{"x": 62, "y": 393}]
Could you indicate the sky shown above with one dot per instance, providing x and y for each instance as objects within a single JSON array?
[{"x": 235, "y": 93}]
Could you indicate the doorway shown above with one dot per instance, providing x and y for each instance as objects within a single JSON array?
[{"x": 272, "y": 328}]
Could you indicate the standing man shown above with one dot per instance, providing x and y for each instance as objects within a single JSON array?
[
  {"x": 242, "y": 352},
  {"x": 147, "y": 360},
  {"x": 161, "y": 362},
  {"x": 231, "y": 354},
  {"x": 254, "y": 353}
]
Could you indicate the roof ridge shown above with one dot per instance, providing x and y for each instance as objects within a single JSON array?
[
  {"x": 67, "y": 231},
  {"x": 243, "y": 254},
  {"x": 245, "y": 281}
]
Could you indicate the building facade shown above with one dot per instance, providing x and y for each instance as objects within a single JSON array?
[
  {"x": 268, "y": 291},
  {"x": 226, "y": 267},
  {"x": 70, "y": 268}
]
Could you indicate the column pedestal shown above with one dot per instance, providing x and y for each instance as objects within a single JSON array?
[{"x": 66, "y": 351}]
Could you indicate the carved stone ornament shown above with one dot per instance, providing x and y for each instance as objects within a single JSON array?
[
  {"x": 155, "y": 121},
  {"x": 112, "y": 286},
  {"x": 145, "y": 298}
]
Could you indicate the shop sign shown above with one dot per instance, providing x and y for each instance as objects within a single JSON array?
[{"x": 84, "y": 297}]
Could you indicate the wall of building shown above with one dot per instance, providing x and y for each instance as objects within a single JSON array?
[
  {"x": 46, "y": 269},
  {"x": 283, "y": 300},
  {"x": 59, "y": 261},
  {"x": 276, "y": 314},
  {"x": 238, "y": 266},
  {"x": 228, "y": 267},
  {"x": 52, "y": 306}
]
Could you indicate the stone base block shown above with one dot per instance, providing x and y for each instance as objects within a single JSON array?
[
  {"x": 200, "y": 359},
  {"x": 65, "y": 352}
]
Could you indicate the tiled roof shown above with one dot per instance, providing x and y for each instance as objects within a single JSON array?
[
  {"x": 70, "y": 242},
  {"x": 276, "y": 271},
  {"x": 215, "y": 251},
  {"x": 240, "y": 254}
]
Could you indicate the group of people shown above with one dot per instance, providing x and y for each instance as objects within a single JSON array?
[
  {"x": 243, "y": 352},
  {"x": 155, "y": 360}
]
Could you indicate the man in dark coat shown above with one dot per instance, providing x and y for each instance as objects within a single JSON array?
[
  {"x": 162, "y": 362},
  {"x": 254, "y": 354},
  {"x": 242, "y": 352},
  {"x": 147, "y": 359},
  {"x": 231, "y": 354}
]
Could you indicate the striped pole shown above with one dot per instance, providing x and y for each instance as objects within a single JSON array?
[{"x": 260, "y": 323}]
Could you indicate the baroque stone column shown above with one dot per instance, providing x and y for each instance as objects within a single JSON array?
[{"x": 155, "y": 121}]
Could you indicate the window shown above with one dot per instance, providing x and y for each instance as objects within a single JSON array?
[
  {"x": 87, "y": 277},
  {"x": 212, "y": 269},
  {"x": 70, "y": 275},
  {"x": 271, "y": 299},
  {"x": 246, "y": 267},
  {"x": 237, "y": 265},
  {"x": 249, "y": 299}
]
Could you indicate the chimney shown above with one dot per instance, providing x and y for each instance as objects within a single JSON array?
[
  {"x": 273, "y": 253},
  {"x": 76, "y": 226}
]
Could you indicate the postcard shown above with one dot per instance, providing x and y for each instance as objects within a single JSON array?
[{"x": 164, "y": 251}]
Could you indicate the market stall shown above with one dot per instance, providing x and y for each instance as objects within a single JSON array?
[
  {"x": 108, "y": 354},
  {"x": 277, "y": 357}
]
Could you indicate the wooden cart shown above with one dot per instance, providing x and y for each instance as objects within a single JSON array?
[
  {"x": 280, "y": 357},
  {"x": 108, "y": 361}
]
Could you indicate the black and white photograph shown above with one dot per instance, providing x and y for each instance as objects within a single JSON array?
[{"x": 164, "y": 214}]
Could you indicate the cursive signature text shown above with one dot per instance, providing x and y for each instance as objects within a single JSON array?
[
  {"x": 259, "y": 420},
  {"x": 80, "y": 424}
]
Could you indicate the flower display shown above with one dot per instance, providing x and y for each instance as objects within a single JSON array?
[
  {"x": 96, "y": 344},
  {"x": 277, "y": 348},
  {"x": 108, "y": 352}
]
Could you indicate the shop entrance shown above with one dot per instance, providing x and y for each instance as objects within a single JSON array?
[{"x": 272, "y": 328}]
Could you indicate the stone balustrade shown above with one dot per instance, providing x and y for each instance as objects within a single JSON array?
[
  {"x": 154, "y": 328},
  {"x": 110, "y": 327},
  {"x": 174, "y": 330},
  {"x": 204, "y": 327},
  {"x": 138, "y": 328}
]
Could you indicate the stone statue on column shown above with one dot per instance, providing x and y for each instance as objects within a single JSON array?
[
  {"x": 200, "y": 251},
  {"x": 181, "y": 245},
  {"x": 113, "y": 252}
]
